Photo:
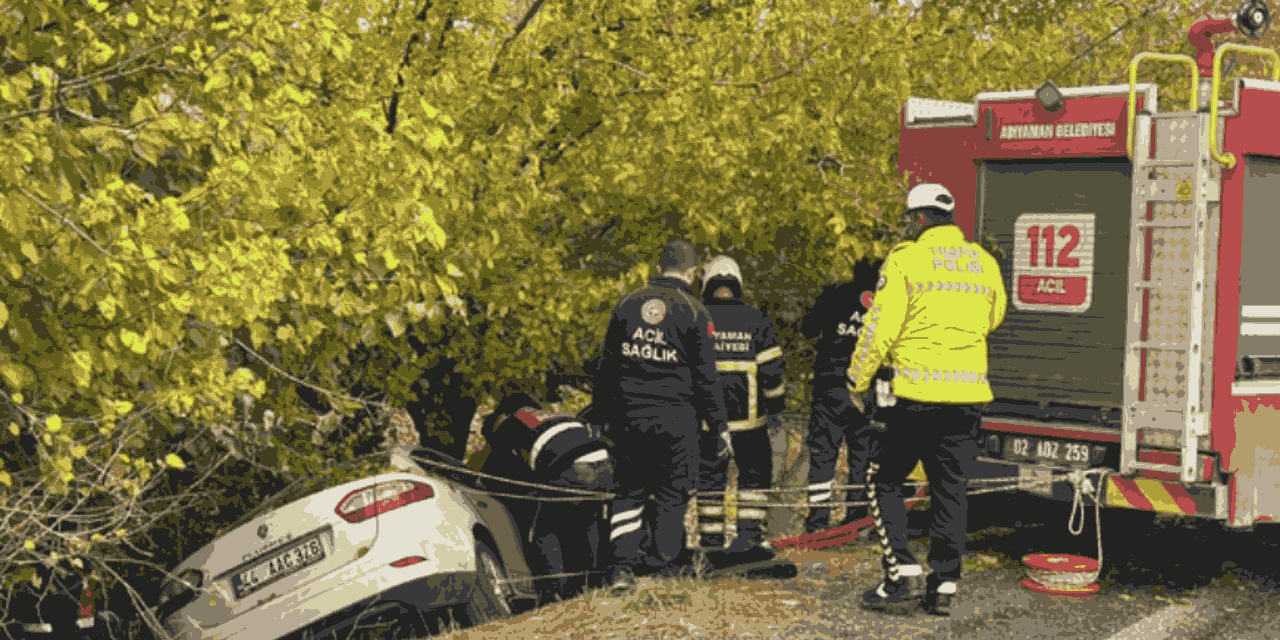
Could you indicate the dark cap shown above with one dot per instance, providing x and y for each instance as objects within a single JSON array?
[{"x": 678, "y": 256}]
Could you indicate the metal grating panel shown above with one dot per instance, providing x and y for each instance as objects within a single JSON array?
[
  {"x": 1171, "y": 253},
  {"x": 1175, "y": 139},
  {"x": 1166, "y": 376},
  {"x": 1167, "y": 317},
  {"x": 1170, "y": 212}
]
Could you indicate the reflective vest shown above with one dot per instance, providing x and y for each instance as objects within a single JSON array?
[{"x": 937, "y": 300}]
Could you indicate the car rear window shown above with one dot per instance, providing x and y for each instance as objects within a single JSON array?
[{"x": 327, "y": 478}]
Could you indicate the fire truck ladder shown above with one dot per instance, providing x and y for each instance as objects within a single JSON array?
[{"x": 1172, "y": 268}]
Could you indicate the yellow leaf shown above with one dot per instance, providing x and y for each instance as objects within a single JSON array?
[
  {"x": 447, "y": 288},
  {"x": 83, "y": 360},
  {"x": 215, "y": 82},
  {"x": 123, "y": 406},
  {"x": 108, "y": 307},
  {"x": 429, "y": 110},
  {"x": 453, "y": 270},
  {"x": 181, "y": 221},
  {"x": 258, "y": 388},
  {"x": 13, "y": 428},
  {"x": 183, "y": 302},
  {"x": 4, "y": 314},
  {"x": 360, "y": 257},
  {"x": 17, "y": 398},
  {"x": 29, "y": 250},
  {"x": 62, "y": 462},
  {"x": 29, "y": 545},
  {"x": 296, "y": 95},
  {"x": 53, "y": 423},
  {"x": 436, "y": 139},
  {"x": 131, "y": 19},
  {"x": 395, "y": 323},
  {"x": 434, "y": 232},
  {"x": 135, "y": 342},
  {"x": 284, "y": 332},
  {"x": 174, "y": 461},
  {"x": 391, "y": 259},
  {"x": 78, "y": 451},
  {"x": 5, "y": 479}
]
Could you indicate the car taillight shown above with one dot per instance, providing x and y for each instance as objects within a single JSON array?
[{"x": 382, "y": 497}]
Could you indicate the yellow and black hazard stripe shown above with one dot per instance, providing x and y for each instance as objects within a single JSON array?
[{"x": 1168, "y": 497}]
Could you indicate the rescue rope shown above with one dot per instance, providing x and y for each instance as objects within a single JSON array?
[
  {"x": 1081, "y": 486},
  {"x": 982, "y": 482},
  {"x": 586, "y": 495},
  {"x": 553, "y": 576}
]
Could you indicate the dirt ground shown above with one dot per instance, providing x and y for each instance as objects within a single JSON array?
[{"x": 688, "y": 608}]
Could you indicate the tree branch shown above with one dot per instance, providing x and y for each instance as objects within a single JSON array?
[
  {"x": 260, "y": 358},
  {"x": 65, "y": 221}
]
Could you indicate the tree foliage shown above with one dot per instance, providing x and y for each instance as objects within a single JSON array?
[{"x": 221, "y": 219}]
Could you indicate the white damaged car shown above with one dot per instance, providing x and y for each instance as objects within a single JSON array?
[{"x": 385, "y": 541}]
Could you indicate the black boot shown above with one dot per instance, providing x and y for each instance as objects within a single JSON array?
[
  {"x": 623, "y": 580},
  {"x": 888, "y": 592},
  {"x": 937, "y": 595},
  {"x": 816, "y": 520}
]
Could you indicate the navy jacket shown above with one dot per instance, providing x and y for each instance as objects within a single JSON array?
[
  {"x": 835, "y": 319},
  {"x": 659, "y": 356}
]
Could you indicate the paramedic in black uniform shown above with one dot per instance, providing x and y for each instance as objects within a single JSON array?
[
  {"x": 656, "y": 383},
  {"x": 834, "y": 320}
]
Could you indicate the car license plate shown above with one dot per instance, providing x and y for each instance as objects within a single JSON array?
[
  {"x": 278, "y": 565},
  {"x": 1046, "y": 451}
]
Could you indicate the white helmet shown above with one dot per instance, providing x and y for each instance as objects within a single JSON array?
[
  {"x": 722, "y": 267},
  {"x": 930, "y": 194}
]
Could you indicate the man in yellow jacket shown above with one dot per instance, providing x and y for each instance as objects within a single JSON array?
[{"x": 937, "y": 299}]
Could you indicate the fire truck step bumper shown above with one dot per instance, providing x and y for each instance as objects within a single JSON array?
[{"x": 1168, "y": 497}]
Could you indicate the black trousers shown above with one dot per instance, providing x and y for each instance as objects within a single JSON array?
[
  {"x": 833, "y": 418},
  {"x": 566, "y": 539},
  {"x": 658, "y": 457},
  {"x": 753, "y": 452},
  {"x": 944, "y": 438}
]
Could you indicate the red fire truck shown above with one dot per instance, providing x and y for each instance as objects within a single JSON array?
[{"x": 1143, "y": 331}]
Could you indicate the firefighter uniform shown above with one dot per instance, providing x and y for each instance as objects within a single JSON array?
[
  {"x": 937, "y": 300},
  {"x": 834, "y": 320},
  {"x": 560, "y": 450},
  {"x": 750, "y": 362},
  {"x": 657, "y": 380}
]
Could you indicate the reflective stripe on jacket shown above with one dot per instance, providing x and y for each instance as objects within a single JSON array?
[
  {"x": 938, "y": 299},
  {"x": 745, "y": 336}
]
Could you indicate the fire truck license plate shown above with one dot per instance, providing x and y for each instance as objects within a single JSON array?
[{"x": 1045, "y": 451}]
